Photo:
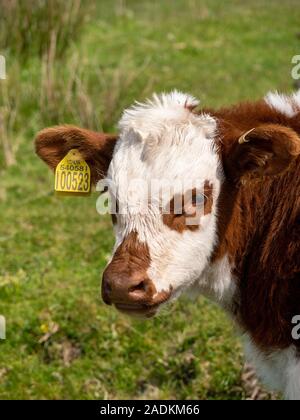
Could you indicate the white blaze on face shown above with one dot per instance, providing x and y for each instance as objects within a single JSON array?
[{"x": 163, "y": 143}]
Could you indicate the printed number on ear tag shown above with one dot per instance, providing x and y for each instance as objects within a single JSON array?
[{"x": 73, "y": 175}]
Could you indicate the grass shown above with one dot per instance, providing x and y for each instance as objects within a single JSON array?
[{"x": 62, "y": 342}]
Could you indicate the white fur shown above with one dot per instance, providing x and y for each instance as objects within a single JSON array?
[
  {"x": 160, "y": 111},
  {"x": 279, "y": 370},
  {"x": 296, "y": 99},
  {"x": 217, "y": 283},
  {"x": 287, "y": 105}
]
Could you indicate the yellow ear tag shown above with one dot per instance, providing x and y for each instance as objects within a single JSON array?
[{"x": 73, "y": 175}]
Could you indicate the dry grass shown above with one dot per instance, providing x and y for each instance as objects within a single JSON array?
[
  {"x": 73, "y": 94},
  {"x": 37, "y": 24},
  {"x": 42, "y": 30},
  {"x": 9, "y": 109}
]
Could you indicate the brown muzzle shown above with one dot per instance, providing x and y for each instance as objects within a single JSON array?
[{"x": 125, "y": 282}]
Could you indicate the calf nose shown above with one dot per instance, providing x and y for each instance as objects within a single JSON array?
[{"x": 122, "y": 288}]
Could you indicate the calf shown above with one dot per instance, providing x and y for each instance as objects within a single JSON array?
[{"x": 241, "y": 166}]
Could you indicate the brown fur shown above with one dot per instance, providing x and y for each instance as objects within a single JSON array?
[
  {"x": 259, "y": 218},
  {"x": 176, "y": 219},
  {"x": 125, "y": 280},
  {"x": 53, "y": 144}
]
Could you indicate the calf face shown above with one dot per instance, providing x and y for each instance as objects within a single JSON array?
[
  {"x": 166, "y": 176},
  {"x": 166, "y": 173}
]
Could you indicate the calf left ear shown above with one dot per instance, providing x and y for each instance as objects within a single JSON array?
[
  {"x": 268, "y": 149},
  {"x": 53, "y": 144}
]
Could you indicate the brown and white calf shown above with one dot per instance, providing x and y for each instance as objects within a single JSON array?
[{"x": 244, "y": 251}]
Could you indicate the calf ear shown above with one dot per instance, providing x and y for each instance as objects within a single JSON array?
[
  {"x": 268, "y": 149},
  {"x": 53, "y": 144}
]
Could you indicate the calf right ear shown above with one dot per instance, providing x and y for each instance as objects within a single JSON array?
[
  {"x": 53, "y": 144},
  {"x": 267, "y": 149}
]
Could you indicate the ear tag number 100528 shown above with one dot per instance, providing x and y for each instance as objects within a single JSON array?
[{"x": 73, "y": 175}]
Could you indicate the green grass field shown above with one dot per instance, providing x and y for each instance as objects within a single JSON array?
[{"x": 62, "y": 341}]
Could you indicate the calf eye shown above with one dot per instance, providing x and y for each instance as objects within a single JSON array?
[{"x": 198, "y": 200}]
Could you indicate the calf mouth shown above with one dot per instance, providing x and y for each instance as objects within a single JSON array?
[
  {"x": 137, "y": 311},
  {"x": 144, "y": 310}
]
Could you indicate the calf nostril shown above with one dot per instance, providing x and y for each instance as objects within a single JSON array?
[
  {"x": 106, "y": 291},
  {"x": 140, "y": 290},
  {"x": 107, "y": 288}
]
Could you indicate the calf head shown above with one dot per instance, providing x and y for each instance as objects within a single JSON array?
[{"x": 165, "y": 174}]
